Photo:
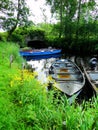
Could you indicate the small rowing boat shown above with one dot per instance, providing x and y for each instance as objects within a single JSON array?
[
  {"x": 67, "y": 76},
  {"x": 39, "y": 52},
  {"x": 91, "y": 75}
]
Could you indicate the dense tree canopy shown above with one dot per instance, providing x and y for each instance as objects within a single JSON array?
[
  {"x": 76, "y": 27},
  {"x": 13, "y": 14},
  {"x": 70, "y": 11}
]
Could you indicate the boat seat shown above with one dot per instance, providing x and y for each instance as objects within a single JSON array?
[
  {"x": 65, "y": 79},
  {"x": 65, "y": 73},
  {"x": 69, "y": 65}
]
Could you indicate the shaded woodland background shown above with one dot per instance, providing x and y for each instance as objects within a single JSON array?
[{"x": 75, "y": 32}]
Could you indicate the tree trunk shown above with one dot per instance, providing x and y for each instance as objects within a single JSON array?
[
  {"x": 78, "y": 20},
  {"x": 15, "y": 26},
  {"x": 61, "y": 22}
]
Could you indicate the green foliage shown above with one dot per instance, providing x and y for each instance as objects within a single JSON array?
[
  {"x": 77, "y": 25},
  {"x": 87, "y": 37},
  {"x": 8, "y": 50},
  {"x": 26, "y": 49},
  {"x": 16, "y": 37},
  {"x": 20, "y": 35},
  {"x": 25, "y": 103},
  {"x": 3, "y": 36},
  {"x": 38, "y": 33},
  {"x": 13, "y": 14}
]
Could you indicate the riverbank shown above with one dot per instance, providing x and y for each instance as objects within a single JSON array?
[{"x": 25, "y": 103}]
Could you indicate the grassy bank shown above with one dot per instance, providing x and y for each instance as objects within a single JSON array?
[{"x": 26, "y": 105}]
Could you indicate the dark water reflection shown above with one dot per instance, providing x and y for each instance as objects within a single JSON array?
[
  {"x": 41, "y": 65},
  {"x": 87, "y": 92}
]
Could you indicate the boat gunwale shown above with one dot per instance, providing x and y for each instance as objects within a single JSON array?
[
  {"x": 86, "y": 72},
  {"x": 40, "y": 52}
]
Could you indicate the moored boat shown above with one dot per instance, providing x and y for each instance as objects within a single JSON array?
[
  {"x": 40, "y": 52},
  {"x": 28, "y": 58},
  {"x": 91, "y": 75},
  {"x": 67, "y": 77}
]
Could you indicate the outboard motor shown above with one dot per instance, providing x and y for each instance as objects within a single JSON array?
[{"x": 93, "y": 63}]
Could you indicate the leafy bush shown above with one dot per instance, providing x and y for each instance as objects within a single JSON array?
[
  {"x": 26, "y": 49},
  {"x": 3, "y": 36}
]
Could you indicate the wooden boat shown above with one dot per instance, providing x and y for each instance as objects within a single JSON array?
[
  {"x": 40, "y": 52},
  {"x": 28, "y": 58},
  {"x": 67, "y": 77},
  {"x": 91, "y": 76}
]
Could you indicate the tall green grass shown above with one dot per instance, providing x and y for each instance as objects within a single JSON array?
[{"x": 26, "y": 105}]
